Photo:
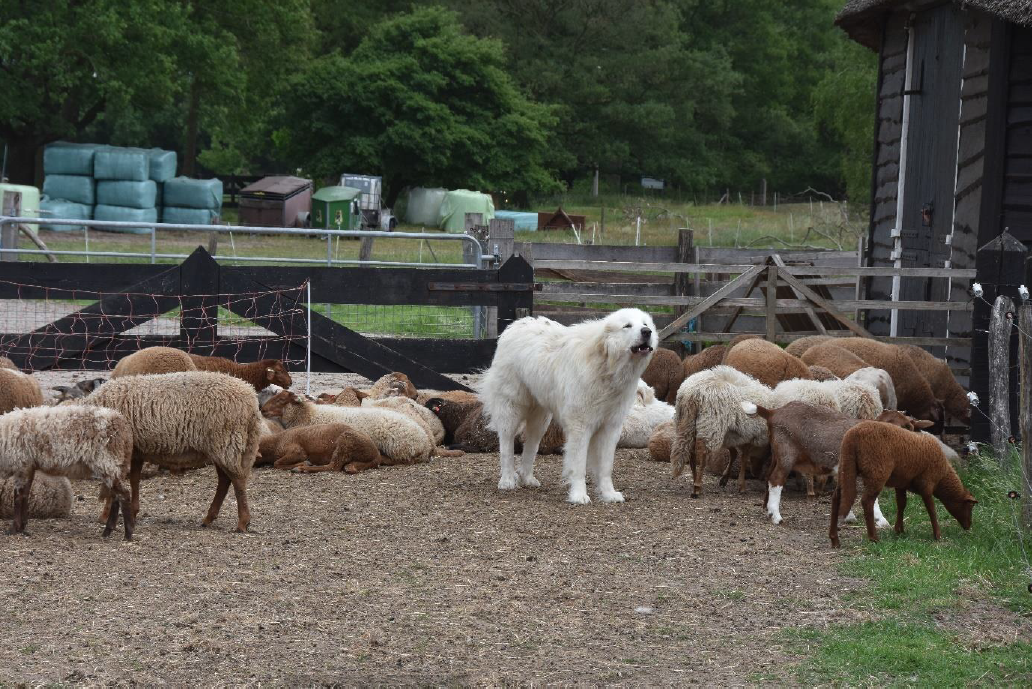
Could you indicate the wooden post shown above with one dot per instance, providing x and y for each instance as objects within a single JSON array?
[
  {"x": 472, "y": 224},
  {"x": 1000, "y": 323},
  {"x": 501, "y": 240},
  {"x": 772, "y": 301},
  {"x": 682, "y": 281},
  {"x": 763, "y": 191},
  {"x": 1025, "y": 325},
  {"x": 11, "y": 205}
]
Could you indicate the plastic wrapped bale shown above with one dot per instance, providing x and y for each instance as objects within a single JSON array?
[
  {"x": 63, "y": 158},
  {"x": 162, "y": 164},
  {"x": 452, "y": 216},
  {"x": 424, "y": 206},
  {"x": 70, "y": 188},
  {"x": 64, "y": 210},
  {"x": 127, "y": 193},
  {"x": 183, "y": 192},
  {"x": 123, "y": 214},
  {"x": 30, "y": 199},
  {"x": 49, "y": 498},
  {"x": 121, "y": 163},
  {"x": 187, "y": 216}
]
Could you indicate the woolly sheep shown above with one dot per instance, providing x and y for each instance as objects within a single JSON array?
[
  {"x": 7, "y": 363},
  {"x": 646, "y": 413},
  {"x": 18, "y": 390},
  {"x": 809, "y": 391},
  {"x": 799, "y": 347},
  {"x": 766, "y": 362},
  {"x": 944, "y": 385},
  {"x": 258, "y": 374},
  {"x": 834, "y": 358},
  {"x": 464, "y": 396},
  {"x": 153, "y": 360},
  {"x": 186, "y": 420},
  {"x": 661, "y": 441},
  {"x": 49, "y": 498},
  {"x": 464, "y": 424},
  {"x": 427, "y": 420},
  {"x": 392, "y": 385},
  {"x": 324, "y": 446},
  {"x": 399, "y": 438},
  {"x": 349, "y": 397},
  {"x": 706, "y": 359},
  {"x": 856, "y": 400},
  {"x": 880, "y": 381},
  {"x": 820, "y": 373},
  {"x": 72, "y": 441},
  {"x": 664, "y": 374}
]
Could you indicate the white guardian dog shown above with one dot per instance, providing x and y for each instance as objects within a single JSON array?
[{"x": 585, "y": 376}]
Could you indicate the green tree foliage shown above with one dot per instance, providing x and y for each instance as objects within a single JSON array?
[{"x": 418, "y": 101}]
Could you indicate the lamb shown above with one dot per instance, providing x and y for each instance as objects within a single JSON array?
[
  {"x": 260, "y": 374},
  {"x": 806, "y": 438},
  {"x": 400, "y": 439},
  {"x": 709, "y": 417},
  {"x": 945, "y": 386},
  {"x": 153, "y": 360},
  {"x": 50, "y": 497},
  {"x": 661, "y": 441},
  {"x": 7, "y": 363},
  {"x": 913, "y": 393},
  {"x": 808, "y": 391},
  {"x": 325, "y": 446},
  {"x": 819, "y": 373},
  {"x": 426, "y": 419},
  {"x": 349, "y": 397},
  {"x": 887, "y": 456},
  {"x": 664, "y": 374},
  {"x": 186, "y": 420},
  {"x": 464, "y": 396},
  {"x": 799, "y": 347},
  {"x": 880, "y": 381},
  {"x": 464, "y": 424},
  {"x": 392, "y": 385},
  {"x": 706, "y": 359},
  {"x": 766, "y": 362},
  {"x": 855, "y": 399},
  {"x": 71, "y": 441},
  {"x": 834, "y": 358},
  {"x": 646, "y": 413},
  {"x": 18, "y": 390}
]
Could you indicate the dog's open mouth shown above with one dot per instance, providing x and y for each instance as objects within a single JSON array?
[{"x": 643, "y": 348}]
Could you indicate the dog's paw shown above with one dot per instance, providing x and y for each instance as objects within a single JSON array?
[
  {"x": 578, "y": 497},
  {"x": 507, "y": 482},
  {"x": 611, "y": 496},
  {"x": 882, "y": 523},
  {"x": 775, "y": 519},
  {"x": 530, "y": 481}
]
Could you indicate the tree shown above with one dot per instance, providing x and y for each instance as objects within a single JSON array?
[{"x": 418, "y": 102}]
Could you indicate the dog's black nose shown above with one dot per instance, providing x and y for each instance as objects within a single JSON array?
[{"x": 646, "y": 333}]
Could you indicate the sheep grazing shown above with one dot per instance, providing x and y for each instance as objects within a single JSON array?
[
  {"x": 913, "y": 393},
  {"x": 153, "y": 360},
  {"x": 392, "y": 385},
  {"x": 661, "y": 441},
  {"x": 400, "y": 439},
  {"x": 945, "y": 386},
  {"x": 464, "y": 424},
  {"x": 7, "y": 363},
  {"x": 322, "y": 447},
  {"x": 799, "y": 347},
  {"x": 704, "y": 360},
  {"x": 645, "y": 415},
  {"x": 709, "y": 417},
  {"x": 72, "y": 441},
  {"x": 819, "y": 373},
  {"x": 806, "y": 438},
  {"x": 834, "y": 358},
  {"x": 18, "y": 391},
  {"x": 259, "y": 374},
  {"x": 880, "y": 381},
  {"x": 664, "y": 374},
  {"x": 809, "y": 391},
  {"x": 766, "y": 362},
  {"x": 883, "y": 455},
  {"x": 71, "y": 393},
  {"x": 187, "y": 420},
  {"x": 49, "y": 498}
]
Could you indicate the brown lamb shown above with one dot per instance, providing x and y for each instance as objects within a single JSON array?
[
  {"x": 18, "y": 391},
  {"x": 153, "y": 360},
  {"x": 349, "y": 397},
  {"x": 841, "y": 362},
  {"x": 945, "y": 386},
  {"x": 664, "y": 374},
  {"x": 707, "y": 358},
  {"x": 822, "y": 374},
  {"x": 800, "y": 346},
  {"x": 324, "y": 446},
  {"x": 451, "y": 395},
  {"x": 884, "y": 455},
  {"x": 258, "y": 374},
  {"x": 913, "y": 393},
  {"x": 766, "y": 362},
  {"x": 661, "y": 441}
]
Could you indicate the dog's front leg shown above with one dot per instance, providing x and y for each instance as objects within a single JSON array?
[
  {"x": 506, "y": 440},
  {"x": 601, "y": 454},
  {"x": 575, "y": 457}
]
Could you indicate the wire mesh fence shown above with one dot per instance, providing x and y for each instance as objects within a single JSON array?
[{"x": 379, "y": 320}]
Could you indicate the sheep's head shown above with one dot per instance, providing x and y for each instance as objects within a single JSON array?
[
  {"x": 961, "y": 508},
  {"x": 275, "y": 406},
  {"x": 325, "y": 398},
  {"x": 276, "y": 373},
  {"x": 435, "y": 404},
  {"x": 903, "y": 421},
  {"x": 399, "y": 385}
]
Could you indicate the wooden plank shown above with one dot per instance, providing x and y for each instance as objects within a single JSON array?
[
  {"x": 644, "y": 267},
  {"x": 711, "y": 300},
  {"x": 548, "y": 251},
  {"x": 600, "y": 276},
  {"x": 631, "y": 288},
  {"x": 814, "y": 318},
  {"x": 820, "y": 301},
  {"x": 30, "y": 280},
  {"x": 787, "y": 337},
  {"x": 772, "y": 299},
  {"x": 783, "y": 305},
  {"x": 711, "y": 254},
  {"x": 959, "y": 273}
]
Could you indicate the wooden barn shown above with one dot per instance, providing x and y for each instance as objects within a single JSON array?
[{"x": 953, "y": 146}]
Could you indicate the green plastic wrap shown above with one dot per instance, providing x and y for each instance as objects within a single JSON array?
[
  {"x": 122, "y": 214},
  {"x": 126, "y": 193},
  {"x": 65, "y": 210},
  {"x": 188, "y": 216},
  {"x": 75, "y": 188},
  {"x": 424, "y": 206},
  {"x": 63, "y": 158},
  {"x": 452, "y": 217},
  {"x": 183, "y": 192},
  {"x": 121, "y": 163},
  {"x": 162, "y": 164}
]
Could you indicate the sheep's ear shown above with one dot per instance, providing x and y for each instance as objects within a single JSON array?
[
  {"x": 361, "y": 395},
  {"x": 920, "y": 424}
]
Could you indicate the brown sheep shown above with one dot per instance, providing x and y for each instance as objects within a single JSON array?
[
  {"x": 800, "y": 346},
  {"x": 325, "y": 447},
  {"x": 451, "y": 395},
  {"x": 820, "y": 374},
  {"x": 153, "y": 360},
  {"x": 464, "y": 425},
  {"x": 664, "y": 374},
  {"x": 885, "y": 455},
  {"x": 707, "y": 358},
  {"x": 945, "y": 386},
  {"x": 259, "y": 374},
  {"x": 49, "y": 498},
  {"x": 392, "y": 385},
  {"x": 766, "y": 362},
  {"x": 349, "y": 397},
  {"x": 18, "y": 391},
  {"x": 839, "y": 361},
  {"x": 913, "y": 393},
  {"x": 660, "y": 442},
  {"x": 7, "y": 363}
]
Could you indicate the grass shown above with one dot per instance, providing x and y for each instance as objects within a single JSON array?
[{"x": 970, "y": 580}]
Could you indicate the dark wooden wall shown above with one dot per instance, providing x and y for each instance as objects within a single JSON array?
[{"x": 1017, "y": 179}]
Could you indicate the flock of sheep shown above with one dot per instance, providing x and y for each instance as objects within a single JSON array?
[{"x": 850, "y": 407}]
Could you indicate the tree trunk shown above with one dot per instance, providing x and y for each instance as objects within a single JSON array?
[{"x": 192, "y": 117}]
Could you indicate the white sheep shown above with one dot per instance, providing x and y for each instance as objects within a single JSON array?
[
  {"x": 72, "y": 441},
  {"x": 50, "y": 497},
  {"x": 645, "y": 415},
  {"x": 880, "y": 380},
  {"x": 188, "y": 420},
  {"x": 809, "y": 391},
  {"x": 856, "y": 400}
]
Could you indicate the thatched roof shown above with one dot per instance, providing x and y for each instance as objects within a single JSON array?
[{"x": 861, "y": 18}]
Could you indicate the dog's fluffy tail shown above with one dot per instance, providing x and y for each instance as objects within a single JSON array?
[{"x": 682, "y": 451}]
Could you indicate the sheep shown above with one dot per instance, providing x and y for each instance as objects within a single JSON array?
[
  {"x": 646, "y": 413},
  {"x": 766, "y": 362},
  {"x": 190, "y": 419},
  {"x": 660, "y": 441},
  {"x": 18, "y": 390},
  {"x": 806, "y": 438},
  {"x": 426, "y": 419},
  {"x": 706, "y": 359},
  {"x": 828, "y": 354},
  {"x": 799, "y": 347},
  {"x": 913, "y": 393},
  {"x": 887, "y": 456},
  {"x": 709, "y": 417},
  {"x": 464, "y": 396},
  {"x": 7, "y": 363},
  {"x": 880, "y": 381},
  {"x": 349, "y": 397},
  {"x": 392, "y": 385},
  {"x": 464, "y": 424},
  {"x": 400, "y": 439},
  {"x": 153, "y": 360},
  {"x": 71, "y": 393},
  {"x": 945, "y": 386},
  {"x": 268, "y": 393},
  {"x": 665, "y": 373},
  {"x": 50, "y": 497},
  {"x": 810, "y": 391},
  {"x": 856, "y": 400},
  {"x": 260, "y": 374},
  {"x": 819, "y": 373},
  {"x": 71, "y": 441},
  {"x": 325, "y": 446}
]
